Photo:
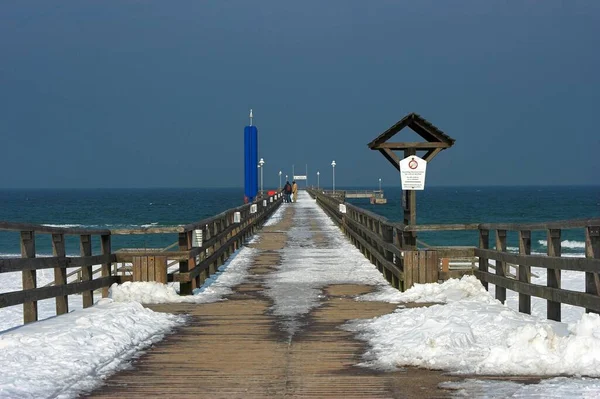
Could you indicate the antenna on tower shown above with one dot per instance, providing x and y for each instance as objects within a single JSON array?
[{"x": 251, "y": 116}]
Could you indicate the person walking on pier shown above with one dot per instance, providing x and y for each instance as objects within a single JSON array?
[
  {"x": 295, "y": 191},
  {"x": 287, "y": 191}
]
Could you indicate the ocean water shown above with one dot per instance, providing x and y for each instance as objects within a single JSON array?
[
  {"x": 134, "y": 208},
  {"x": 438, "y": 205},
  {"x": 111, "y": 209}
]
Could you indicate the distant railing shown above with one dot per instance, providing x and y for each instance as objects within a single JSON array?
[
  {"x": 201, "y": 248},
  {"x": 387, "y": 244}
]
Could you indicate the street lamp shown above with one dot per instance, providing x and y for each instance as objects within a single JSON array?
[
  {"x": 279, "y": 180},
  {"x": 333, "y": 168},
  {"x": 260, "y": 165},
  {"x": 380, "y": 184},
  {"x": 318, "y": 179}
]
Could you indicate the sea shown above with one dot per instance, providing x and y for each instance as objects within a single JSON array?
[{"x": 137, "y": 208}]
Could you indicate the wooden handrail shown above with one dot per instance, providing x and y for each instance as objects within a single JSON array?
[{"x": 41, "y": 228}]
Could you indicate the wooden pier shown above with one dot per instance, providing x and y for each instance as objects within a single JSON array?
[
  {"x": 374, "y": 196},
  {"x": 236, "y": 348}
]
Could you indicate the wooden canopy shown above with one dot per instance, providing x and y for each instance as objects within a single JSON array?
[{"x": 435, "y": 139}]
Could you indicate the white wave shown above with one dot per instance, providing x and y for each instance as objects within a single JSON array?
[
  {"x": 63, "y": 225},
  {"x": 566, "y": 244},
  {"x": 150, "y": 224}
]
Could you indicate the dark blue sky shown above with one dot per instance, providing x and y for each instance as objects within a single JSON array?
[{"x": 156, "y": 93}]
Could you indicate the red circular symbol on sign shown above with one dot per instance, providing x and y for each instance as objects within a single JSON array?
[{"x": 413, "y": 164}]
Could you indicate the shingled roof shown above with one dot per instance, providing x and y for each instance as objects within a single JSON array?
[{"x": 420, "y": 125}]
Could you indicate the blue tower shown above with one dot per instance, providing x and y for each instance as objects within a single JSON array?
[{"x": 250, "y": 161}]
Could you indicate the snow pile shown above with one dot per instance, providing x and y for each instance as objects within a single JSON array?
[
  {"x": 146, "y": 292},
  {"x": 467, "y": 288},
  {"x": 232, "y": 273},
  {"x": 474, "y": 333},
  {"x": 62, "y": 356}
]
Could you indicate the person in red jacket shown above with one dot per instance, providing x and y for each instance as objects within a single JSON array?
[{"x": 287, "y": 191}]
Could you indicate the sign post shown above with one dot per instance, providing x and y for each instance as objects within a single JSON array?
[{"x": 412, "y": 168}]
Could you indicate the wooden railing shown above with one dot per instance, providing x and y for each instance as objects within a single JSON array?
[
  {"x": 28, "y": 265},
  {"x": 202, "y": 246},
  {"x": 196, "y": 258},
  {"x": 386, "y": 244}
]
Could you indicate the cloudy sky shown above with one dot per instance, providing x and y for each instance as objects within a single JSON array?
[{"x": 156, "y": 93}]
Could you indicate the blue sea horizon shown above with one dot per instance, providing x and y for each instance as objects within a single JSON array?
[{"x": 115, "y": 208}]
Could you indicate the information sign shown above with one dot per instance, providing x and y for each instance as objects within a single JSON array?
[{"x": 412, "y": 173}]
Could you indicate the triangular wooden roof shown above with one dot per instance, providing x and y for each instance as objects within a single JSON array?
[
  {"x": 436, "y": 140},
  {"x": 420, "y": 125}
]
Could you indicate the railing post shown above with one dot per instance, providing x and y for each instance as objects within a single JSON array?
[
  {"x": 30, "y": 309},
  {"x": 484, "y": 243},
  {"x": 203, "y": 275},
  {"x": 60, "y": 273},
  {"x": 105, "y": 247},
  {"x": 185, "y": 244},
  {"x": 524, "y": 271},
  {"x": 85, "y": 245},
  {"x": 215, "y": 233},
  {"x": 553, "y": 280},
  {"x": 501, "y": 266},
  {"x": 592, "y": 250},
  {"x": 387, "y": 234},
  {"x": 208, "y": 251}
]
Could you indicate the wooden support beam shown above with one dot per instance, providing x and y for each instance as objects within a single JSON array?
[
  {"x": 553, "y": 279},
  {"x": 524, "y": 271},
  {"x": 30, "y": 309},
  {"x": 85, "y": 245},
  {"x": 431, "y": 154},
  {"x": 592, "y": 250},
  {"x": 60, "y": 273},
  {"x": 484, "y": 243},
  {"x": 185, "y": 244},
  {"x": 501, "y": 266},
  {"x": 428, "y": 145},
  {"x": 105, "y": 247},
  {"x": 391, "y": 157}
]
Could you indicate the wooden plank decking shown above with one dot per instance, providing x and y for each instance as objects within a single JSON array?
[{"x": 236, "y": 349}]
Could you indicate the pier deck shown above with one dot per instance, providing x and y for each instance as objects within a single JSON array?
[{"x": 239, "y": 348}]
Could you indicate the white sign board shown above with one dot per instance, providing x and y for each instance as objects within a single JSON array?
[
  {"x": 342, "y": 208},
  {"x": 253, "y": 208},
  {"x": 300, "y": 177},
  {"x": 197, "y": 238},
  {"x": 412, "y": 173}
]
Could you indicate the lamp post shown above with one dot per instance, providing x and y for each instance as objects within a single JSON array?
[
  {"x": 318, "y": 173},
  {"x": 333, "y": 169},
  {"x": 380, "y": 184},
  {"x": 261, "y": 166},
  {"x": 279, "y": 180}
]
